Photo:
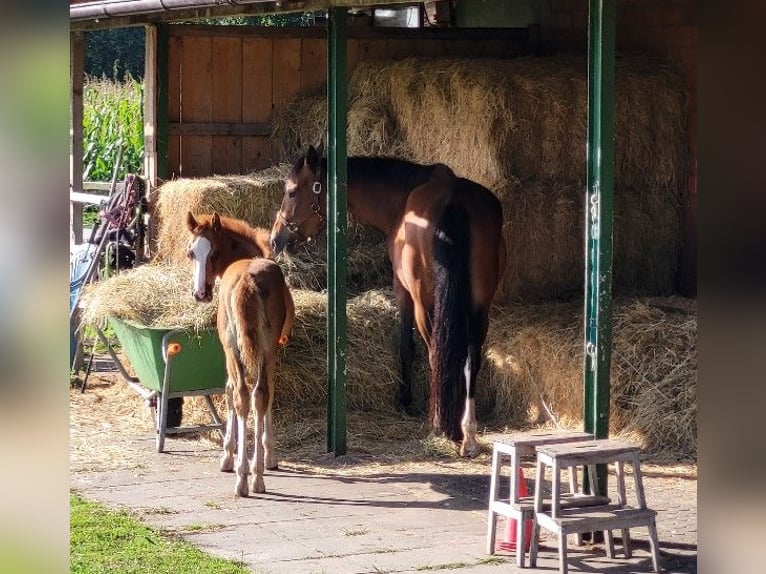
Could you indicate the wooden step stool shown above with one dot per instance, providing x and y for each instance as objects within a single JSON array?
[
  {"x": 516, "y": 507},
  {"x": 607, "y": 517}
]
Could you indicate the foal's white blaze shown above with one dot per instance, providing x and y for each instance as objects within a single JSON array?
[{"x": 200, "y": 247}]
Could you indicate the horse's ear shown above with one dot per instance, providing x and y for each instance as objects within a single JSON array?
[
  {"x": 191, "y": 223},
  {"x": 216, "y": 222},
  {"x": 311, "y": 160},
  {"x": 320, "y": 148},
  {"x": 298, "y": 144}
]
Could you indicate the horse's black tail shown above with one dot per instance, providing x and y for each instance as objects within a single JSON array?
[{"x": 451, "y": 313}]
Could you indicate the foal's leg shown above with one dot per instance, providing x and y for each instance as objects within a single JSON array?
[
  {"x": 227, "y": 458},
  {"x": 476, "y": 335},
  {"x": 406, "y": 343},
  {"x": 243, "y": 411},
  {"x": 260, "y": 402},
  {"x": 268, "y": 428}
]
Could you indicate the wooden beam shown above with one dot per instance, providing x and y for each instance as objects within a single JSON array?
[
  {"x": 150, "y": 107},
  {"x": 76, "y": 81}
]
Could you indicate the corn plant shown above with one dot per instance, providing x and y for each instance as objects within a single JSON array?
[{"x": 112, "y": 118}]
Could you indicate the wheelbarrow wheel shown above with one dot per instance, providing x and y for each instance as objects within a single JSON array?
[{"x": 175, "y": 411}]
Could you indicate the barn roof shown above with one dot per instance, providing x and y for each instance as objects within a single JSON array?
[{"x": 88, "y": 14}]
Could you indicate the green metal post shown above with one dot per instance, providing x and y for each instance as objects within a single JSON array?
[
  {"x": 337, "y": 187},
  {"x": 598, "y": 225}
]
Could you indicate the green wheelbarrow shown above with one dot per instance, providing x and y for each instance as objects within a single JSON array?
[{"x": 171, "y": 364}]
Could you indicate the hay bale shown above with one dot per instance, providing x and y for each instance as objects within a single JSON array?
[
  {"x": 253, "y": 198},
  {"x": 372, "y": 357},
  {"x": 371, "y": 127},
  {"x": 533, "y": 370},
  {"x": 544, "y": 230},
  {"x": 493, "y": 119},
  {"x": 155, "y": 295}
]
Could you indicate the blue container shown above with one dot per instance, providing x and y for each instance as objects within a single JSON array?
[{"x": 79, "y": 261}]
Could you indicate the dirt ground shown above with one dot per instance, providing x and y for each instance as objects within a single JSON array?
[{"x": 110, "y": 425}]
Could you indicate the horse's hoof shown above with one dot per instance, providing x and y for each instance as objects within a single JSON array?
[
  {"x": 227, "y": 464},
  {"x": 470, "y": 451},
  {"x": 259, "y": 487},
  {"x": 275, "y": 467},
  {"x": 241, "y": 488}
]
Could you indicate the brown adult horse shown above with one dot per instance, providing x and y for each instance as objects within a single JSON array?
[
  {"x": 444, "y": 241},
  {"x": 255, "y": 316}
]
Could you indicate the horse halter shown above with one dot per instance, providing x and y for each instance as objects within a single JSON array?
[{"x": 295, "y": 228}]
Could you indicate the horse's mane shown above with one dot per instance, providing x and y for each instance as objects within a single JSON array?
[
  {"x": 390, "y": 171},
  {"x": 257, "y": 235}
]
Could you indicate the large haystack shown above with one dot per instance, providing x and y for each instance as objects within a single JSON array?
[
  {"x": 532, "y": 367},
  {"x": 519, "y": 127},
  {"x": 490, "y": 119}
]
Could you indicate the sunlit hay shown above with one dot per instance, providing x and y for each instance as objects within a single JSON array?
[
  {"x": 152, "y": 295},
  {"x": 655, "y": 371},
  {"x": 367, "y": 263},
  {"x": 372, "y": 368},
  {"x": 254, "y": 198},
  {"x": 524, "y": 117},
  {"x": 534, "y": 368},
  {"x": 371, "y": 128}
]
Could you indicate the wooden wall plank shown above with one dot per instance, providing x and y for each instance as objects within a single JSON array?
[
  {"x": 256, "y": 154},
  {"x": 287, "y": 69},
  {"x": 227, "y": 102},
  {"x": 257, "y": 80},
  {"x": 352, "y": 51},
  {"x": 197, "y": 104},
  {"x": 175, "y": 58},
  {"x": 372, "y": 49},
  {"x": 313, "y": 63},
  {"x": 397, "y": 49}
]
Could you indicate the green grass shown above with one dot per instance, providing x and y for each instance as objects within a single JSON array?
[{"x": 107, "y": 541}]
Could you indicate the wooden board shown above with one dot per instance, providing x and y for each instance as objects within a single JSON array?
[
  {"x": 313, "y": 63},
  {"x": 287, "y": 69},
  {"x": 197, "y": 98},
  {"x": 256, "y": 153},
  {"x": 257, "y": 79},
  {"x": 227, "y": 95}
]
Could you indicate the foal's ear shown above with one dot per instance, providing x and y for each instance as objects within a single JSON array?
[
  {"x": 191, "y": 223},
  {"x": 216, "y": 223}
]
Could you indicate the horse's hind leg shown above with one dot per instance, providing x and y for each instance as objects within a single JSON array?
[
  {"x": 227, "y": 458},
  {"x": 260, "y": 404},
  {"x": 477, "y": 334},
  {"x": 268, "y": 427},
  {"x": 406, "y": 344},
  {"x": 243, "y": 408}
]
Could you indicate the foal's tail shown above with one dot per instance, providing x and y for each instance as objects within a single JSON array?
[
  {"x": 449, "y": 335},
  {"x": 249, "y": 328}
]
